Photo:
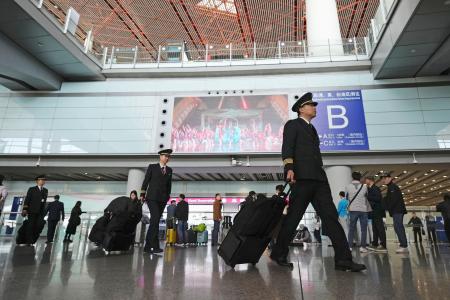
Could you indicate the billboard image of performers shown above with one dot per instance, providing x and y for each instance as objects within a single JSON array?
[{"x": 229, "y": 124}]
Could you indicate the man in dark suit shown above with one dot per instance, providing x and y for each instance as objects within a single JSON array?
[
  {"x": 34, "y": 208},
  {"x": 304, "y": 170},
  {"x": 55, "y": 211},
  {"x": 156, "y": 190}
]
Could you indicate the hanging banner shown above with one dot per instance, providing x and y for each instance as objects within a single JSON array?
[{"x": 340, "y": 121}]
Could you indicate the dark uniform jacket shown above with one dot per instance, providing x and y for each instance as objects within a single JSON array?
[
  {"x": 416, "y": 223},
  {"x": 301, "y": 151},
  {"x": 55, "y": 211},
  {"x": 375, "y": 199},
  {"x": 444, "y": 208},
  {"x": 393, "y": 201},
  {"x": 35, "y": 200},
  {"x": 156, "y": 186}
]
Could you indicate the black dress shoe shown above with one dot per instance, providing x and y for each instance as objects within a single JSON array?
[
  {"x": 156, "y": 251},
  {"x": 283, "y": 262},
  {"x": 349, "y": 266},
  {"x": 148, "y": 250}
]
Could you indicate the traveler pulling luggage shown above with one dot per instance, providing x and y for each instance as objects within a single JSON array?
[
  {"x": 116, "y": 230},
  {"x": 249, "y": 236}
]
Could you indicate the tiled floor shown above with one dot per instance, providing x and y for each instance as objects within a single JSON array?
[{"x": 80, "y": 271}]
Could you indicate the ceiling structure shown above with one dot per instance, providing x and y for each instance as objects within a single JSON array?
[
  {"x": 150, "y": 23},
  {"x": 421, "y": 184}
]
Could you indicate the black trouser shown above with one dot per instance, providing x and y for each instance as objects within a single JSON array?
[
  {"x": 379, "y": 232},
  {"x": 417, "y": 232},
  {"x": 51, "y": 226},
  {"x": 432, "y": 235},
  {"x": 156, "y": 210},
  {"x": 317, "y": 193},
  {"x": 34, "y": 221}
]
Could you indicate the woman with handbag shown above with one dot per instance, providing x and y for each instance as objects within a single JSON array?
[{"x": 74, "y": 221}]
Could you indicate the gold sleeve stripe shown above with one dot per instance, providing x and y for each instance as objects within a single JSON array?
[{"x": 288, "y": 161}]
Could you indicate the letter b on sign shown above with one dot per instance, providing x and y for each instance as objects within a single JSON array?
[{"x": 336, "y": 116}]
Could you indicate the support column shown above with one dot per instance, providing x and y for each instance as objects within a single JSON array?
[
  {"x": 322, "y": 28},
  {"x": 338, "y": 177},
  {"x": 135, "y": 179}
]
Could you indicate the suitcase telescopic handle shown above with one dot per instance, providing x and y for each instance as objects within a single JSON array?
[{"x": 288, "y": 191}]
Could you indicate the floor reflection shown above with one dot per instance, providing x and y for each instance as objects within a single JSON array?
[{"x": 82, "y": 271}]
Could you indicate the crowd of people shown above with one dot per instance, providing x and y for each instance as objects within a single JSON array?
[
  {"x": 362, "y": 202},
  {"x": 227, "y": 136}
]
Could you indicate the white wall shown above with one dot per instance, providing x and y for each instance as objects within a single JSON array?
[{"x": 124, "y": 116}]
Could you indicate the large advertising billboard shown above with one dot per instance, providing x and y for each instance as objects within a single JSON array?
[
  {"x": 254, "y": 123},
  {"x": 229, "y": 124}
]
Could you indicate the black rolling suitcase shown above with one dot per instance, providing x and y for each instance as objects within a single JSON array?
[
  {"x": 250, "y": 234},
  {"x": 191, "y": 236},
  {"x": 21, "y": 237}
]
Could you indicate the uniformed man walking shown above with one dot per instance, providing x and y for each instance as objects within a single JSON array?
[
  {"x": 304, "y": 170},
  {"x": 55, "y": 211},
  {"x": 34, "y": 207},
  {"x": 156, "y": 190}
]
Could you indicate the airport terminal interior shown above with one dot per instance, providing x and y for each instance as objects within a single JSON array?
[{"x": 189, "y": 101}]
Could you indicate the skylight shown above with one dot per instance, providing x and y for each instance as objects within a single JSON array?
[{"x": 226, "y": 6}]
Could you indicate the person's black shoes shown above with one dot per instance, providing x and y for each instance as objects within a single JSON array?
[
  {"x": 158, "y": 251},
  {"x": 49, "y": 242},
  {"x": 153, "y": 251},
  {"x": 349, "y": 266},
  {"x": 283, "y": 262}
]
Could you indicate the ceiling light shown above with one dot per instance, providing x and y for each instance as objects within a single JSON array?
[
  {"x": 413, "y": 50},
  {"x": 299, "y": 43},
  {"x": 396, "y": 177},
  {"x": 445, "y": 176},
  {"x": 431, "y": 170},
  {"x": 210, "y": 47},
  {"x": 227, "y": 46},
  {"x": 426, "y": 174},
  {"x": 404, "y": 172},
  {"x": 433, "y": 180},
  {"x": 85, "y": 173}
]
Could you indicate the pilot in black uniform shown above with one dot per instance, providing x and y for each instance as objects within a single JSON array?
[
  {"x": 156, "y": 190},
  {"x": 34, "y": 207},
  {"x": 304, "y": 169}
]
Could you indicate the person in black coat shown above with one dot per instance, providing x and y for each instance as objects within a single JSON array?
[
  {"x": 378, "y": 213},
  {"x": 34, "y": 208},
  {"x": 304, "y": 170},
  {"x": 182, "y": 215},
  {"x": 395, "y": 205},
  {"x": 444, "y": 208},
  {"x": 417, "y": 227},
  {"x": 74, "y": 221},
  {"x": 55, "y": 211},
  {"x": 155, "y": 192}
]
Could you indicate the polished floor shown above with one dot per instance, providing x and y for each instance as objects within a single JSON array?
[{"x": 80, "y": 271}]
